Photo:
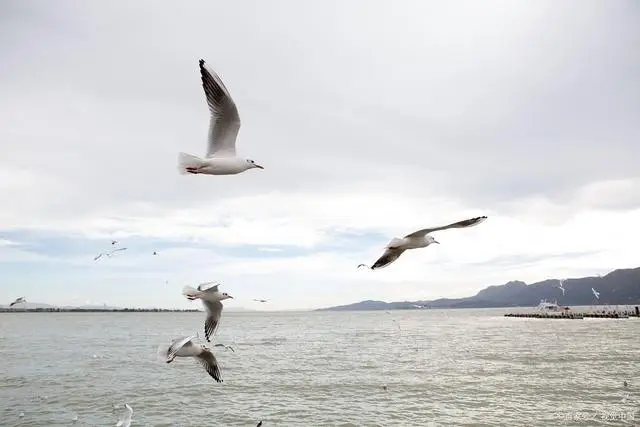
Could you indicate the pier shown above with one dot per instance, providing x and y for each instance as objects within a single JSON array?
[{"x": 568, "y": 315}]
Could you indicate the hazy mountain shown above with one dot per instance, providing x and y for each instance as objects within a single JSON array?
[{"x": 618, "y": 287}]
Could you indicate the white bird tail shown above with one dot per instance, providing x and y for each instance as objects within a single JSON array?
[
  {"x": 188, "y": 163},
  {"x": 191, "y": 292}
]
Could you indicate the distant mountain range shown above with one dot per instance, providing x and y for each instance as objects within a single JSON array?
[{"x": 620, "y": 287}]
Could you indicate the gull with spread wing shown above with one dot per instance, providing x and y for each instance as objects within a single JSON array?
[
  {"x": 212, "y": 300},
  {"x": 21, "y": 300},
  {"x": 125, "y": 418},
  {"x": 221, "y": 158},
  {"x": 416, "y": 240},
  {"x": 185, "y": 347},
  {"x": 108, "y": 254},
  {"x": 561, "y": 286}
]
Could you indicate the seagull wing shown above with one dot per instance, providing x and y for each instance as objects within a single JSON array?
[
  {"x": 225, "y": 121},
  {"x": 208, "y": 286},
  {"x": 389, "y": 256},
  {"x": 214, "y": 312},
  {"x": 210, "y": 364},
  {"x": 177, "y": 344},
  {"x": 460, "y": 224}
]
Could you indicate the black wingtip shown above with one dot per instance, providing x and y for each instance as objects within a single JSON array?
[{"x": 201, "y": 62}]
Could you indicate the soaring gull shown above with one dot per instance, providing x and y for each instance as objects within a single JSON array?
[
  {"x": 108, "y": 254},
  {"x": 21, "y": 300},
  {"x": 185, "y": 347},
  {"x": 221, "y": 158},
  {"x": 560, "y": 286},
  {"x": 211, "y": 298},
  {"x": 125, "y": 418},
  {"x": 415, "y": 240},
  {"x": 260, "y": 300},
  {"x": 227, "y": 347},
  {"x": 595, "y": 293}
]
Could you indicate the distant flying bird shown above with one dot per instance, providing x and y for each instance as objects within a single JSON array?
[
  {"x": 211, "y": 299},
  {"x": 260, "y": 300},
  {"x": 595, "y": 293},
  {"x": 221, "y": 158},
  {"x": 415, "y": 240},
  {"x": 108, "y": 254},
  {"x": 561, "y": 287},
  {"x": 228, "y": 347},
  {"x": 18, "y": 301},
  {"x": 184, "y": 347},
  {"x": 417, "y": 306},
  {"x": 113, "y": 242},
  {"x": 125, "y": 418},
  {"x": 155, "y": 253}
]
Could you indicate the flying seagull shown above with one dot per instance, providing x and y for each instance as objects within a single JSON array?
[
  {"x": 125, "y": 418},
  {"x": 18, "y": 301},
  {"x": 185, "y": 347},
  {"x": 415, "y": 240},
  {"x": 221, "y": 158},
  {"x": 113, "y": 242},
  {"x": 260, "y": 300},
  {"x": 596, "y": 293},
  {"x": 228, "y": 347},
  {"x": 561, "y": 287},
  {"x": 155, "y": 253},
  {"x": 108, "y": 254},
  {"x": 211, "y": 298}
]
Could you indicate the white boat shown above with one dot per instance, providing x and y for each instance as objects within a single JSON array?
[{"x": 549, "y": 306}]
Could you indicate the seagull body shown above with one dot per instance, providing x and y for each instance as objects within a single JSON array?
[
  {"x": 224, "y": 125},
  {"x": 211, "y": 299},
  {"x": 561, "y": 287},
  {"x": 108, "y": 254},
  {"x": 18, "y": 301},
  {"x": 185, "y": 347},
  {"x": 595, "y": 293},
  {"x": 416, "y": 240},
  {"x": 125, "y": 418}
]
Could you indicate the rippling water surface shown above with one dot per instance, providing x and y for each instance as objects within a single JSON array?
[{"x": 440, "y": 367}]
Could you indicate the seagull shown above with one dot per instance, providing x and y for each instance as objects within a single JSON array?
[
  {"x": 415, "y": 240},
  {"x": 228, "y": 347},
  {"x": 21, "y": 300},
  {"x": 260, "y": 300},
  {"x": 596, "y": 293},
  {"x": 561, "y": 287},
  {"x": 125, "y": 418},
  {"x": 113, "y": 242},
  {"x": 259, "y": 424},
  {"x": 211, "y": 298},
  {"x": 224, "y": 125},
  {"x": 184, "y": 347},
  {"x": 155, "y": 253},
  {"x": 108, "y": 254}
]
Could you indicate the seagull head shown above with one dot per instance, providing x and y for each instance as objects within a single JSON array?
[
  {"x": 430, "y": 240},
  {"x": 253, "y": 164},
  {"x": 225, "y": 296}
]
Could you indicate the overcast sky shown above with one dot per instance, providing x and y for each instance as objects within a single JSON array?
[{"x": 372, "y": 119}]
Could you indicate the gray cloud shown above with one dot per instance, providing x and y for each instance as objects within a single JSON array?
[{"x": 490, "y": 102}]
